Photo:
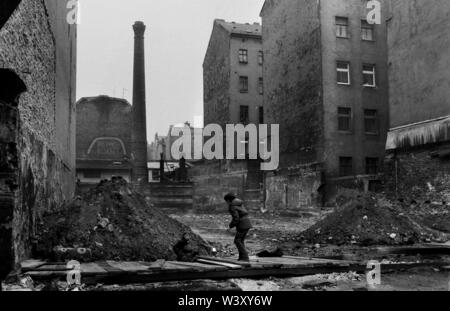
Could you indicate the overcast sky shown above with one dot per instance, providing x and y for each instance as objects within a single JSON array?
[{"x": 177, "y": 36}]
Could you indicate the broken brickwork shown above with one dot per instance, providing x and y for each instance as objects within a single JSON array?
[
  {"x": 420, "y": 175},
  {"x": 37, "y": 137}
]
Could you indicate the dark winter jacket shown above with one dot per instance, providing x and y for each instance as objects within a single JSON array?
[{"x": 240, "y": 221}]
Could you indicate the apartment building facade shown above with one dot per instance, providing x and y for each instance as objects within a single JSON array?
[
  {"x": 232, "y": 70},
  {"x": 326, "y": 85}
]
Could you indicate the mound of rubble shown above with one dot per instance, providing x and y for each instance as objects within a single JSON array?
[
  {"x": 114, "y": 222},
  {"x": 371, "y": 220}
]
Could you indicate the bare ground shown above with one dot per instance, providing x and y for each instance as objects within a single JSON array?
[{"x": 273, "y": 231}]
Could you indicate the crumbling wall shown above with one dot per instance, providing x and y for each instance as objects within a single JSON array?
[
  {"x": 420, "y": 174},
  {"x": 9, "y": 179},
  {"x": 45, "y": 178},
  {"x": 294, "y": 189},
  {"x": 292, "y": 98},
  {"x": 213, "y": 179},
  {"x": 293, "y": 79}
]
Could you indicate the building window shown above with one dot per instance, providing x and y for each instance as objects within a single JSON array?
[
  {"x": 345, "y": 166},
  {"x": 343, "y": 73},
  {"x": 261, "y": 115},
  {"x": 243, "y": 115},
  {"x": 260, "y": 57},
  {"x": 243, "y": 84},
  {"x": 371, "y": 121},
  {"x": 369, "y": 76},
  {"x": 344, "y": 119},
  {"x": 261, "y": 86},
  {"x": 367, "y": 31},
  {"x": 342, "y": 27},
  {"x": 372, "y": 166},
  {"x": 243, "y": 56}
]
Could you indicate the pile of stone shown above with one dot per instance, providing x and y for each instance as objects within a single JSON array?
[
  {"x": 371, "y": 219},
  {"x": 114, "y": 222}
]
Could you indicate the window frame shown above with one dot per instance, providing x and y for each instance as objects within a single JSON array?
[
  {"x": 367, "y": 167},
  {"x": 366, "y": 26},
  {"x": 340, "y": 70},
  {"x": 373, "y": 73},
  {"x": 243, "y": 56},
  {"x": 347, "y": 170},
  {"x": 341, "y": 26},
  {"x": 243, "y": 84},
  {"x": 261, "y": 115},
  {"x": 375, "y": 120},
  {"x": 260, "y": 58},
  {"x": 246, "y": 109},
  {"x": 348, "y": 116},
  {"x": 261, "y": 86}
]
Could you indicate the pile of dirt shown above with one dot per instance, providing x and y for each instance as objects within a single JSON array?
[
  {"x": 370, "y": 220},
  {"x": 114, "y": 222}
]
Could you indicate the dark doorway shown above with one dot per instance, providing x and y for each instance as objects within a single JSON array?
[{"x": 11, "y": 86}]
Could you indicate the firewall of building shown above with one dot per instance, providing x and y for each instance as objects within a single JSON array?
[
  {"x": 37, "y": 142},
  {"x": 103, "y": 139},
  {"x": 418, "y": 144},
  {"x": 325, "y": 82}
]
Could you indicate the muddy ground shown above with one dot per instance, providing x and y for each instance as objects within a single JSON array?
[{"x": 282, "y": 230}]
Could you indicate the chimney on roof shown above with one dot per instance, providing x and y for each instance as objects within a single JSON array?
[{"x": 139, "y": 130}]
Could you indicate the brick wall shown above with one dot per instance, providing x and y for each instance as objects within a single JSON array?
[
  {"x": 292, "y": 78},
  {"x": 212, "y": 180},
  {"x": 103, "y": 117},
  {"x": 45, "y": 171},
  {"x": 294, "y": 189}
]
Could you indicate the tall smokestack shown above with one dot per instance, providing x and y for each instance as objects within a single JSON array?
[{"x": 139, "y": 133}]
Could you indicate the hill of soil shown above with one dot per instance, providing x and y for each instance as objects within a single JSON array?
[
  {"x": 113, "y": 222},
  {"x": 371, "y": 220}
]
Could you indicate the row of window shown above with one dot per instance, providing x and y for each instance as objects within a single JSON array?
[
  {"x": 243, "y": 85},
  {"x": 244, "y": 117},
  {"x": 343, "y": 31},
  {"x": 243, "y": 57},
  {"x": 368, "y": 74},
  {"x": 346, "y": 166},
  {"x": 371, "y": 123}
]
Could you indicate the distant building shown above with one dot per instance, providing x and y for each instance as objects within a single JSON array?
[
  {"x": 232, "y": 74},
  {"x": 156, "y": 148},
  {"x": 103, "y": 139},
  {"x": 164, "y": 144},
  {"x": 325, "y": 82},
  {"x": 419, "y": 76}
]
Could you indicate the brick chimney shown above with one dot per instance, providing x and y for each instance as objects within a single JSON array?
[{"x": 139, "y": 132}]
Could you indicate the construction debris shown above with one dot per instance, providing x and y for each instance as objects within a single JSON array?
[
  {"x": 114, "y": 222},
  {"x": 372, "y": 220}
]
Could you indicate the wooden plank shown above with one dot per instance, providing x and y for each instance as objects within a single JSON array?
[
  {"x": 92, "y": 268},
  {"x": 200, "y": 266},
  {"x": 128, "y": 266},
  {"x": 230, "y": 261},
  {"x": 124, "y": 277},
  {"x": 318, "y": 259},
  {"x": 156, "y": 265},
  {"x": 31, "y": 264},
  {"x": 219, "y": 263}
]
